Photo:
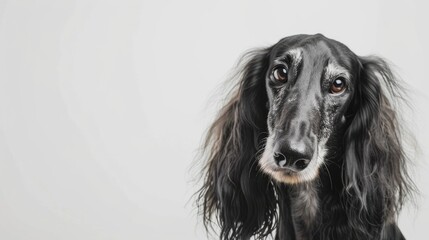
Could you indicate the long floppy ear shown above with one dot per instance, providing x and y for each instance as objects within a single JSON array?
[
  {"x": 375, "y": 162},
  {"x": 241, "y": 197}
]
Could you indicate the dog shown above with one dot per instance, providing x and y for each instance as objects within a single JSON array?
[{"x": 308, "y": 146}]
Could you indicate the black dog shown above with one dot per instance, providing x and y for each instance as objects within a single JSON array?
[{"x": 308, "y": 147}]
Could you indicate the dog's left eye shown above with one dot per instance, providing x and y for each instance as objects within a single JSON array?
[
  {"x": 280, "y": 73},
  {"x": 338, "y": 86}
]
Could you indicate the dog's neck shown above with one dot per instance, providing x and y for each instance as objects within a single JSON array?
[
  {"x": 307, "y": 205},
  {"x": 304, "y": 201}
]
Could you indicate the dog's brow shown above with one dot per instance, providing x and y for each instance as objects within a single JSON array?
[
  {"x": 333, "y": 69},
  {"x": 296, "y": 55}
]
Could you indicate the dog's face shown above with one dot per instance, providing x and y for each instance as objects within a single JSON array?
[{"x": 310, "y": 85}]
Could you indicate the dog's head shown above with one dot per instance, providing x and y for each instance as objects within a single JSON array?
[
  {"x": 310, "y": 83},
  {"x": 303, "y": 108}
]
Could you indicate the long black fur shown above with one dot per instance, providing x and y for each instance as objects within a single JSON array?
[{"x": 359, "y": 191}]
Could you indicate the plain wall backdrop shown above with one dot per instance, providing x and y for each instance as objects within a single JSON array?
[{"x": 103, "y": 104}]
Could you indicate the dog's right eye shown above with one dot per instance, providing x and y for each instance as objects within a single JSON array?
[{"x": 280, "y": 74}]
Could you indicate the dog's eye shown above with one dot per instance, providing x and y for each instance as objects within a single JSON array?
[
  {"x": 280, "y": 73},
  {"x": 338, "y": 86}
]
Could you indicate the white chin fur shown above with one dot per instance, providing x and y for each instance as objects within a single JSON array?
[{"x": 268, "y": 166}]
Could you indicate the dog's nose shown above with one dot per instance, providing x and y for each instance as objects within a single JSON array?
[{"x": 292, "y": 159}]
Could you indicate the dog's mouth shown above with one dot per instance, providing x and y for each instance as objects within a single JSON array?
[{"x": 303, "y": 170}]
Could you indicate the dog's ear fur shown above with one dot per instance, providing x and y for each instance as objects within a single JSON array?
[
  {"x": 374, "y": 166},
  {"x": 235, "y": 191}
]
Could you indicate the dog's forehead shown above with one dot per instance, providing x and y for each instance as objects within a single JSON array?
[{"x": 316, "y": 47}]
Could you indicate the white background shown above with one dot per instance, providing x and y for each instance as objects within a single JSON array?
[{"x": 103, "y": 104}]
